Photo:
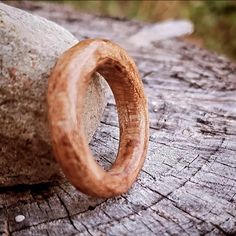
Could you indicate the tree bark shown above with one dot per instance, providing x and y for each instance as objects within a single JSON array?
[{"x": 188, "y": 183}]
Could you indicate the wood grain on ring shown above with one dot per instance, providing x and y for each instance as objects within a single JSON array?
[{"x": 66, "y": 92}]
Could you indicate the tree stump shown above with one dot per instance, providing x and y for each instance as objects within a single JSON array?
[{"x": 188, "y": 183}]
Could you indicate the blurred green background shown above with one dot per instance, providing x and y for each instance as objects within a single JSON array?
[{"x": 214, "y": 21}]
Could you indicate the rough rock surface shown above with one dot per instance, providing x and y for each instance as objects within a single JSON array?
[{"x": 29, "y": 48}]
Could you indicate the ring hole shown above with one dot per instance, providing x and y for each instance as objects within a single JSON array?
[{"x": 105, "y": 142}]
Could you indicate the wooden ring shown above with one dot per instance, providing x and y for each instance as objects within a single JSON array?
[{"x": 66, "y": 92}]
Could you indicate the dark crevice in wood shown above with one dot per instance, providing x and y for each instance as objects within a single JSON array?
[{"x": 67, "y": 211}]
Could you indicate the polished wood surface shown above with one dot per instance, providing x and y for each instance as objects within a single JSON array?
[{"x": 66, "y": 92}]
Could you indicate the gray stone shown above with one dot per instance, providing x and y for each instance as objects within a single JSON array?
[{"x": 29, "y": 48}]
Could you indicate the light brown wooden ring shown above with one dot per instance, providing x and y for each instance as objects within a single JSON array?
[{"x": 66, "y": 92}]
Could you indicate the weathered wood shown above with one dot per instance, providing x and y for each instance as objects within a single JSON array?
[{"x": 188, "y": 183}]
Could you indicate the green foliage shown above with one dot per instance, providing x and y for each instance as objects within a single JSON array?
[{"x": 214, "y": 21}]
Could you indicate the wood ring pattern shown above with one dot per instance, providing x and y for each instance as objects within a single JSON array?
[{"x": 66, "y": 91}]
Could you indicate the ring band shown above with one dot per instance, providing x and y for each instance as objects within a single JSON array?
[{"x": 67, "y": 88}]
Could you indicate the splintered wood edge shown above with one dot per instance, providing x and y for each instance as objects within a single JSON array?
[{"x": 66, "y": 92}]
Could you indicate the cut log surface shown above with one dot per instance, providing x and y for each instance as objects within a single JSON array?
[{"x": 188, "y": 183}]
